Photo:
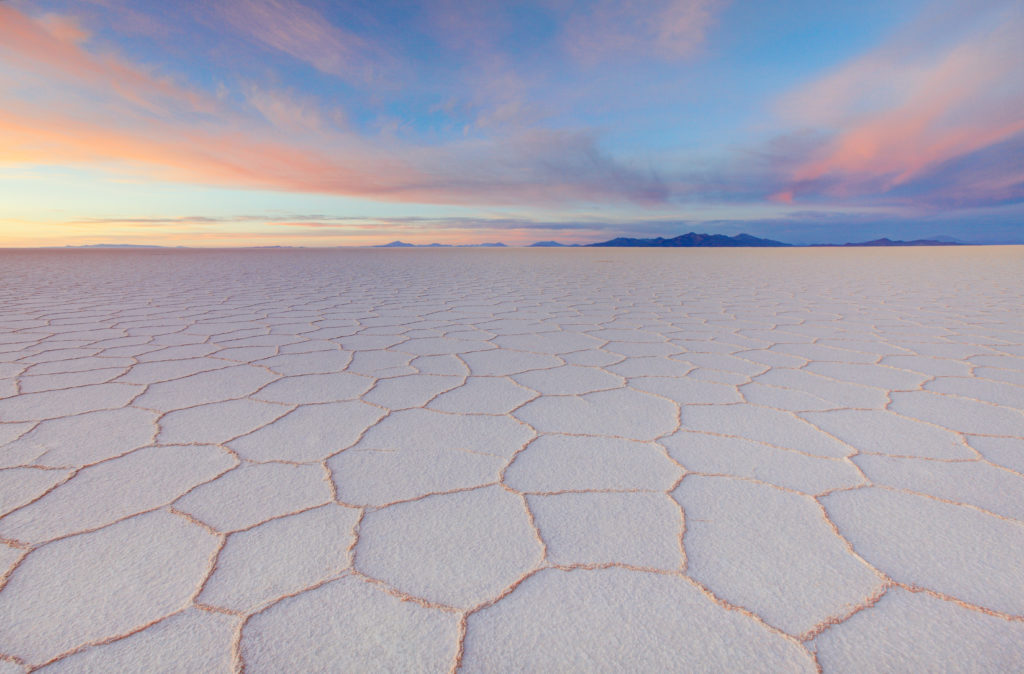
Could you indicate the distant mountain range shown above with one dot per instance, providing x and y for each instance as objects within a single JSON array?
[
  {"x": 694, "y": 240},
  {"x": 690, "y": 240}
]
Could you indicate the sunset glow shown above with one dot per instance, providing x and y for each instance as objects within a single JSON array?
[{"x": 280, "y": 122}]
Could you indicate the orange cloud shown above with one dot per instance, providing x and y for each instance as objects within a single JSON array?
[
  {"x": 534, "y": 167},
  {"x": 170, "y": 151},
  {"x": 899, "y": 115}
]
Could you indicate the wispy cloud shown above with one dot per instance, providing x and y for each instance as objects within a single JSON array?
[
  {"x": 900, "y": 112},
  {"x": 53, "y": 47},
  {"x": 534, "y": 168},
  {"x": 290, "y": 111},
  {"x": 609, "y": 29},
  {"x": 99, "y": 126},
  {"x": 304, "y": 33}
]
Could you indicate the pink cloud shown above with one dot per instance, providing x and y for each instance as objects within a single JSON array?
[
  {"x": 898, "y": 113},
  {"x": 64, "y": 28},
  {"x": 53, "y": 46}
]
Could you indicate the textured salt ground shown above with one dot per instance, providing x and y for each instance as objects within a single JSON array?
[{"x": 525, "y": 460}]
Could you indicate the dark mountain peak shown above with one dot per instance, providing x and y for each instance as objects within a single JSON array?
[{"x": 695, "y": 240}]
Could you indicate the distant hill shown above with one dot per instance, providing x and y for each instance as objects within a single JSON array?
[
  {"x": 889, "y": 242},
  {"x": 396, "y": 244},
  {"x": 547, "y": 244},
  {"x": 694, "y": 240},
  {"x": 916, "y": 242}
]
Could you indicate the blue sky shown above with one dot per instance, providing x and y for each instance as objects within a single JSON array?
[{"x": 280, "y": 122}]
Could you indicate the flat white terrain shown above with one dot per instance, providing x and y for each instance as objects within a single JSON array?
[{"x": 512, "y": 460}]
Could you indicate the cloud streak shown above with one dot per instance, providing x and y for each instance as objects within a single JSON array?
[
  {"x": 103, "y": 127},
  {"x": 304, "y": 34},
  {"x": 51, "y": 46},
  {"x": 898, "y": 114}
]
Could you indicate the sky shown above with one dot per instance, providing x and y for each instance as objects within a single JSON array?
[{"x": 317, "y": 123}]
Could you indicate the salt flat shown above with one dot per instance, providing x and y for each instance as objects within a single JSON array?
[{"x": 512, "y": 460}]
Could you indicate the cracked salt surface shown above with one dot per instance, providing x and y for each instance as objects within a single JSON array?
[{"x": 489, "y": 460}]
